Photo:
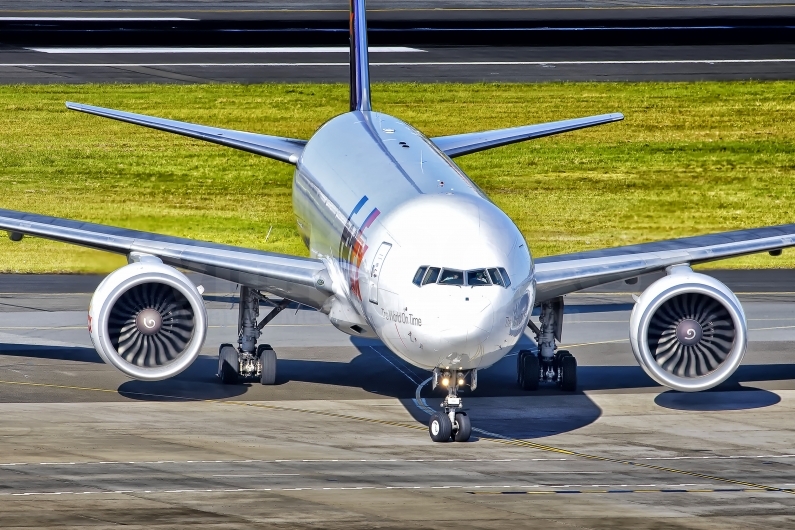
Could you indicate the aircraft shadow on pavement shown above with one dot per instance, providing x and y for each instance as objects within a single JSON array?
[
  {"x": 378, "y": 371},
  {"x": 61, "y": 353},
  {"x": 597, "y": 308},
  {"x": 718, "y": 399},
  {"x": 591, "y": 308}
]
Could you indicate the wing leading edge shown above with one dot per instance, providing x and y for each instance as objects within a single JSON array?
[
  {"x": 302, "y": 280},
  {"x": 566, "y": 273},
  {"x": 282, "y": 149},
  {"x": 464, "y": 144}
]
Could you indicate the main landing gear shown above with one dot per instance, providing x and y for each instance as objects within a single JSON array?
[
  {"x": 549, "y": 366},
  {"x": 453, "y": 422},
  {"x": 249, "y": 360}
]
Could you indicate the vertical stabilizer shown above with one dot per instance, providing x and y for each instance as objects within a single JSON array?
[{"x": 360, "y": 63}]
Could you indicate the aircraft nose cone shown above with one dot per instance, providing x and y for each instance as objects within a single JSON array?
[{"x": 468, "y": 322}]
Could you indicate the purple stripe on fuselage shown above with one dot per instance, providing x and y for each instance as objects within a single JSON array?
[{"x": 370, "y": 219}]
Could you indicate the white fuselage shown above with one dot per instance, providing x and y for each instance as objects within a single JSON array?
[{"x": 376, "y": 200}]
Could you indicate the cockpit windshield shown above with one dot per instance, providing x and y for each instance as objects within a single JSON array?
[
  {"x": 451, "y": 277},
  {"x": 478, "y": 277},
  {"x": 432, "y": 276},
  {"x": 473, "y": 278},
  {"x": 496, "y": 278}
]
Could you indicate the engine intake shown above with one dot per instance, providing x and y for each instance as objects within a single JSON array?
[
  {"x": 688, "y": 331},
  {"x": 148, "y": 320}
]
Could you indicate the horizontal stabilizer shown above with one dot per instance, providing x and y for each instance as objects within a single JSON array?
[
  {"x": 283, "y": 149},
  {"x": 464, "y": 144}
]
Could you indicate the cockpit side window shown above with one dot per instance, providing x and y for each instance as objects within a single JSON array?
[
  {"x": 451, "y": 277},
  {"x": 432, "y": 276},
  {"x": 477, "y": 277},
  {"x": 496, "y": 278},
  {"x": 505, "y": 277},
  {"x": 418, "y": 275}
]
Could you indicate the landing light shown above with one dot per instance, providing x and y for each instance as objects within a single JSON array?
[
  {"x": 445, "y": 381},
  {"x": 460, "y": 381}
]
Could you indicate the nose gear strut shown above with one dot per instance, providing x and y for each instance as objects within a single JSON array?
[
  {"x": 549, "y": 366},
  {"x": 453, "y": 422}
]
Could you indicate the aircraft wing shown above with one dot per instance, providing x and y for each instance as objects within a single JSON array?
[
  {"x": 282, "y": 149},
  {"x": 566, "y": 273},
  {"x": 302, "y": 280},
  {"x": 464, "y": 144}
]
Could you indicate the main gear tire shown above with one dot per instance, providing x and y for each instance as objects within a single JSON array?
[
  {"x": 228, "y": 364},
  {"x": 440, "y": 427},
  {"x": 568, "y": 375},
  {"x": 531, "y": 371},
  {"x": 267, "y": 359},
  {"x": 464, "y": 430}
]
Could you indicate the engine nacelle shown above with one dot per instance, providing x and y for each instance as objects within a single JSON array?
[
  {"x": 688, "y": 331},
  {"x": 148, "y": 320}
]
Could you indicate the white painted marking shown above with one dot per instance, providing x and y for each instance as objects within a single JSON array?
[
  {"x": 380, "y": 460},
  {"x": 197, "y": 49},
  {"x": 262, "y": 475},
  {"x": 419, "y": 401},
  {"x": 593, "y": 343},
  {"x": 432, "y": 64},
  {"x": 357, "y": 488},
  {"x": 92, "y": 19},
  {"x": 409, "y": 377}
]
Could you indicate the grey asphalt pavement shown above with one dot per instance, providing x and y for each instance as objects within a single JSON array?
[
  {"x": 340, "y": 441},
  {"x": 555, "y": 41},
  {"x": 431, "y": 64}
]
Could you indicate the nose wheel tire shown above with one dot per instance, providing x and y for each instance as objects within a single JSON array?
[
  {"x": 228, "y": 364},
  {"x": 568, "y": 373},
  {"x": 529, "y": 371},
  {"x": 440, "y": 427},
  {"x": 464, "y": 430},
  {"x": 267, "y": 359}
]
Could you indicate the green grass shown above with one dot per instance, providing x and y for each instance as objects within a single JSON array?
[{"x": 690, "y": 158}]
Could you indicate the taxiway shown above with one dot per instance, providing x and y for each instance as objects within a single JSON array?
[{"x": 341, "y": 440}]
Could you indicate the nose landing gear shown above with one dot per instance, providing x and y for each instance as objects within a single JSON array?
[
  {"x": 550, "y": 366},
  {"x": 453, "y": 422}
]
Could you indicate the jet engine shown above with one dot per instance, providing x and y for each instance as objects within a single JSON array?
[
  {"x": 688, "y": 331},
  {"x": 148, "y": 320}
]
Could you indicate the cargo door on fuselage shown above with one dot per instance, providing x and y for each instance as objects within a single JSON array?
[{"x": 375, "y": 272}]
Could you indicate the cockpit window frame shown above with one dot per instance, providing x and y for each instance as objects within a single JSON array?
[{"x": 429, "y": 274}]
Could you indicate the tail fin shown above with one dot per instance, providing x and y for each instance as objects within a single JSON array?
[{"x": 360, "y": 63}]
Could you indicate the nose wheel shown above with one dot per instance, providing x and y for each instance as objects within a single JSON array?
[{"x": 452, "y": 423}]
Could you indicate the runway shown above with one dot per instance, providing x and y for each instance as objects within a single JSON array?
[
  {"x": 430, "y": 64},
  {"x": 341, "y": 442},
  {"x": 450, "y": 41}
]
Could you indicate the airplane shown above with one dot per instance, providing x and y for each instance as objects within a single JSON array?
[{"x": 404, "y": 248}]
